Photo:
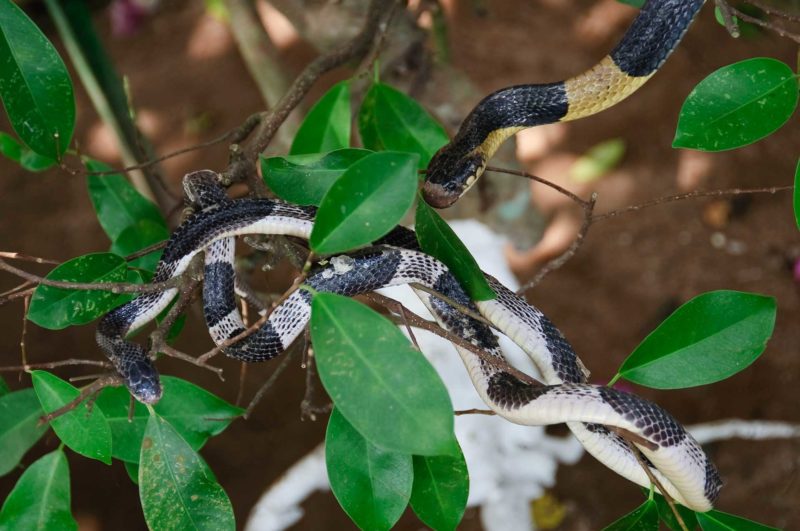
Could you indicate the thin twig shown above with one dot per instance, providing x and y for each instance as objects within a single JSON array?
[
  {"x": 269, "y": 383},
  {"x": 113, "y": 287},
  {"x": 460, "y": 412},
  {"x": 109, "y": 380},
  {"x": 27, "y": 258},
  {"x": 458, "y": 306},
  {"x": 22, "y": 350},
  {"x": 584, "y": 204},
  {"x": 54, "y": 364}
]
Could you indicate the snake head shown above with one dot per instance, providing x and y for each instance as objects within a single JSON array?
[
  {"x": 450, "y": 175},
  {"x": 141, "y": 379},
  {"x": 202, "y": 189}
]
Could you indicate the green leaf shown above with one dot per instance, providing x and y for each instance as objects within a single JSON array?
[
  {"x": 19, "y": 427},
  {"x": 195, "y": 413},
  {"x": 643, "y": 518},
  {"x": 796, "y": 193},
  {"x": 711, "y": 337},
  {"x": 746, "y": 29},
  {"x": 635, "y": 3},
  {"x": 133, "y": 471},
  {"x": 57, "y": 308},
  {"x": 41, "y": 498},
  {"x": 176, "y": 487},
  {"x": 668, "y": 517},
  {"x": 23, "y": 155},
  {"x": 4, "y": 390},
  {"x": 365, "y": 203},
  {"x": 326, "y": 127},
  {"x": 385, "y": 388},
  {"x": 598, "y": 161},
  {"x": 719, "y": 521},
  {"x": 305, "y": 179},
  {"x": 372, "y": 485},
  {"x": 34, "y": 85},
  {"x": 437, "y": 239},
  {"x": 737, "y": 105},
  {"x": 84, "y": 429},
  {"x": 117, "y": 203},
  {"x": 143, "y": 233},
  {"x": 441, "y": 488},
  {"x": 390, "y": 120}
]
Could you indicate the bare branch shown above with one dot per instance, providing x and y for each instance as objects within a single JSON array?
[
  {"x": 109, "y": 380},
  {"x": 583, "y": 204},
  {"x": 54, "y": 364}
]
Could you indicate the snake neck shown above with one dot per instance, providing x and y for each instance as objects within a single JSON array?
[{"x": 647, "y": 43}]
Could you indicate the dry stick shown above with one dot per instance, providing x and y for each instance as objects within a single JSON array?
[
  {"x": 460, "y": 412},
  {"x": 767, "y": 25},
  {"x": 113, "y": 287},
  {"x": 109, "y": 380},
  {"x": 458, "y": 306},
  {"x": 146, "y": 250},
  {"x": 307, "y": 408},
  {"x": 690, "y": 195},
  {"x": 17, "y": 288},
  {"x": 419, "y": 322},
  {"x": 16, "y": 295},
  {"x": 27, "y": 258},
  {"x": 559, "y": 261},
  {"x": 269, "y": 383},
  {"x": 583, "y": 203},
  {"x": 242, "y": 165},
  {"x": 22, "y": 350},
  {"x": 770, "y": 10},
  {"x": 54, "y": 364},
  {"x": 631, "y": 439},
  {"x": 727, "y": 18}
]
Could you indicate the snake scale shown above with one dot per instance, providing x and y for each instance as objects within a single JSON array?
[{"x": 671, "y": 454}]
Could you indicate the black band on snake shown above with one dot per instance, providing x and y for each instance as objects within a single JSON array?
[
  {"x": 672, "y": 455},
  {"x": 648, "y": 42}
]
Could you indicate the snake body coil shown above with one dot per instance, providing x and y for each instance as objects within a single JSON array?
[
  {"x": 648, "y": 42},
  {"x": 590, "y": 411}
]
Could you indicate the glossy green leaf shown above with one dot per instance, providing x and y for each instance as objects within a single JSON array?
[
  {"x": 176, "y": 487},
  {"x": 598, "y": 161},
  {"x": 132, "y": 470},
  {"x": 719, "y": 521},
  {"x": 194, "y": 412},
  {"x": 385, "y": 388},
  {"x": 737, "y": 105},
  {"x": 326, "y": 127},
  {"x": 796, "y": 195},
  {"x": 19, "y": 427},
  {"x": 305, "y": 179},
  {"x": 441, "y": 488},
  {"x": 372, "y": 485},
  {"x": 390, "y": 120},
  {"x": 57, "y": 308},
  {"x": 34, "y": 85},
  {"x": 365, "y": 203},
  {"x": 84, "y": 429},
  {"x": 41, "y": 498},
  {"x": 437, "y": 239},
  {"x": 4, "y": 390},
  {"x": 117, "y": 203},
  {"x": 23, "y": 155},
  {"x": 643, "y": 518},
  {"x": 143, "y": 233},
  {"x": 668, "y": 517},
  {"x": 711, "y": 337}
]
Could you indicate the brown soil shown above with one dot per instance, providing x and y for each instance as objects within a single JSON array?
[{"x": 628, "y": 275}]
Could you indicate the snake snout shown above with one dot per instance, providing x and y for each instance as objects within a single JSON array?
[
  {"x": 143, "y": 382},
  {"x": 449, "y": 177}
]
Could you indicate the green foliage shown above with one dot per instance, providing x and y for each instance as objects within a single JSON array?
[
  {"x": 710, "y": 338},
  {"x": 41, "y": 498},
  {"x": 668, "y": 517},
  {"x": 4, "y": 390},
  {"x": 19, "y": 427},
  {"x": 176, "y": 487},
  {"x": 437, "y": 239},
  {"x": 643, "y": 518},
  {"x": 34, "y": 84},
  {"x": 192, "y": 411},
  {"x": 57, "y": 308},
  {"x": 441, "y": 488},
  {"x": 383, "y": 386},
  {"x": 390, "y": 120},
  {"x": 143, "y": 233},
  {"x": 737, "y": 105},
  {"x": 719, "y": 521},
  {"x": 598, "y": 161},
  {"x": 23, "y": 155},
  {"x": 304, "y": 179},
  {"x": 372, "y": 485},
  {"x": 365, "y": 203},
  {"x": 326, "y": 127},
  {"x": 84, "y": 429}
]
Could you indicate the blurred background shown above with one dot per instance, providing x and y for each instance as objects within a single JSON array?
[{"x": 189, "y": 81}]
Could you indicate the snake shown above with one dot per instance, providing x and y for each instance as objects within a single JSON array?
[
  {"x": 650, "y": 39},
  {"x": 596, "y": 414}
]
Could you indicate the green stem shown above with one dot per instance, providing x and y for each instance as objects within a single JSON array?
[{"x": 614, "y": 380}]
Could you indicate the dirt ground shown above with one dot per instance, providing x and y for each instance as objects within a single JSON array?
[{"x": 630, "y": 273}]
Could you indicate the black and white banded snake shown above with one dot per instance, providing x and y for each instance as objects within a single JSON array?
[{"x": 672, "y": 455}]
